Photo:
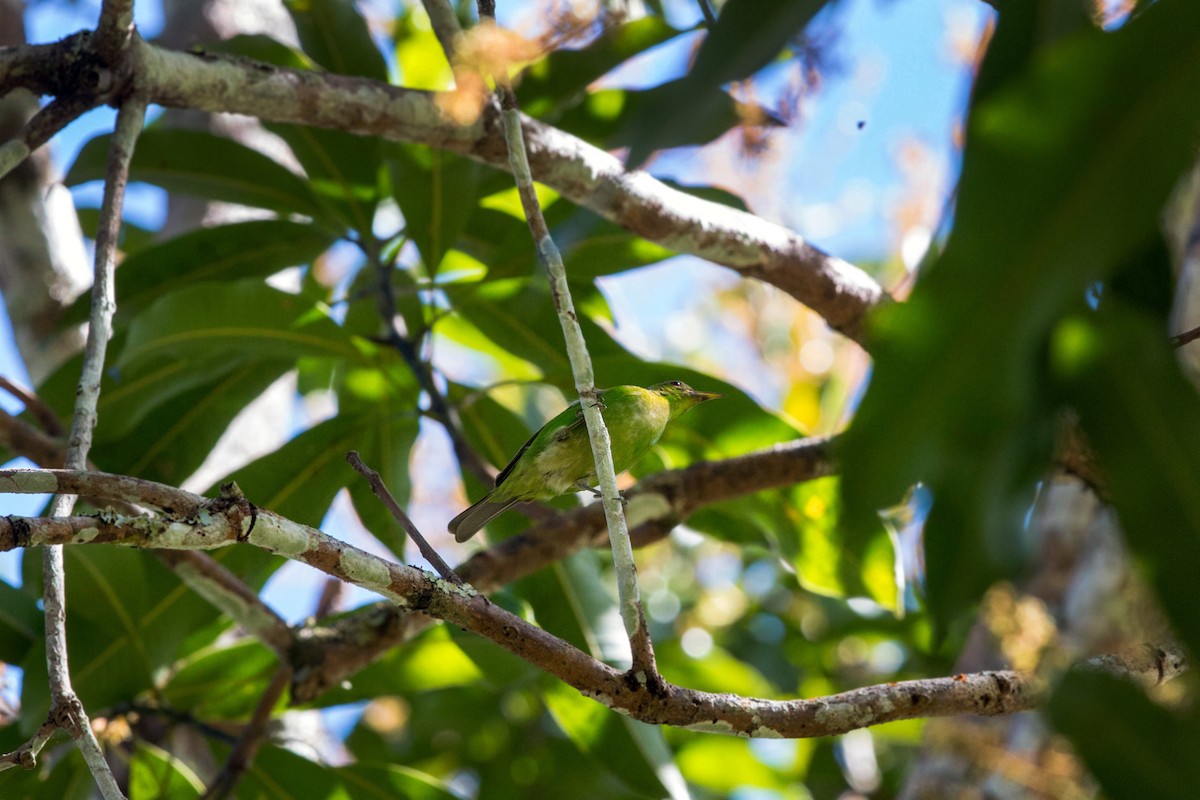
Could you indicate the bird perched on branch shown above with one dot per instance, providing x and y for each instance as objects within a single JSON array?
[{"x": 558, "y": 459}]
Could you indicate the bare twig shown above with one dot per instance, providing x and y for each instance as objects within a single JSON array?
[
  {"x": 242, "y": 755},
  {"x": 385, "y": 496},
  {"x": 710, "y": 19},
  {"x": 439, "y": 409},
  {"x": 1180, "y": 339},
  {"x": 65, "y": 708},
  {"x": 445, "y": 25},
  {"x": 35, "y": 406},
  {"x": 581, "y": 369},
  {"x": 51, "y": 119},
  {"x": 229, "y": 593}
]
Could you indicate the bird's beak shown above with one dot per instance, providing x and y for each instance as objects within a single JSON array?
[{"x": 704, "y": 396}]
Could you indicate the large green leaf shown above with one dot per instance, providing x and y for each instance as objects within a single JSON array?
[
  {"x": 436, "y": 192},
  {"x": 1133, "y": 747},
  {"x": 127, "y": 615},
  {"x": 177, "y": 422},
  {"x": 224, "y": 253},
  {"x": 20, "y": 623},
  {"x": 610, "y": 118},
  {"x": 519, "y": 316},
  {"x": 1066, "y": 170},
  {"x": 222, "y": 682},
  {"x": 226, "y": 320},
  {"x": 342, "y": 168},
  {"x": 747, "y": 36},
  {"x": 562, "y": 77},
  {"x": 155, "y": 774},
  {"x": 280, "y": 774},
  {"x": 201, "y": 164},
  {"x": 336, "y": 36}
]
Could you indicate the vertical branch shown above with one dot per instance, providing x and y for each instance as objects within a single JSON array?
[
  {"x": 581, "y": 369},
  {"x": 65, "y": 708}
]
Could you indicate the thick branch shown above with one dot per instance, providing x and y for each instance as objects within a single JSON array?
[
  {"x": 229, "y": 519},
  {"x": 588, "y": 176}
]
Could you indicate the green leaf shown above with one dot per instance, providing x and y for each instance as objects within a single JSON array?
[
  {"x": 572, "y": 603},
  {"x": 1066, "y": 170},
  {"x": 224, "y": 253},
  {"x": 67, "y": 778},
  {"x": 177, "y": 422},
  {"x": 611, "y": 118},
  {"x": 562, "y": 77},
  {"x": 336, "y": 36},
  {"x": 155, "y": 774},
  {"x": 301, "y": 478},
  {"x": 392, "y": 780},
  {"x": 201, "y": 164},
  {"x": 430, "y": 662},
  {"x": 342, "y": 168},
  {"x": 261, "y": 47},
  {"x": 436, "y": 192},
  {"x": 20, "y": 623},
  {"x": 227, "y": 320},
  {"x": 223, "y": 681},
  {"x": 748, "y": 35},
  {"x": 128, "y": 616},
  {"x": 1143, "y": 418},
  {"x": 1133, "y": 747},
  {"x": 519, "y": 316}
]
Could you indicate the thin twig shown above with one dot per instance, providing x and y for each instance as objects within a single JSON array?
[
  {"x": 445, "y": 25},
  {"x": 439, "y": 409},
  {"x": 990, "y": 693},
  {"x": 581, "y": 368},
  {"x": 227, "y": 592},
  {"x": 242, "y": 755},
  {"x": 65, "y": 707},
  {"x": 51, "y": 119},
  {"x": 114, "y": 29},
  {"x": 710, "y": 19},
  {"x": 35, "y": 406},
  {"x": 1180, "y": 339},
  {"x": 385, "y": 496}
]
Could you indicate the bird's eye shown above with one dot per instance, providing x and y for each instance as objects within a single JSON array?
[{"x": 677, "y": 384}]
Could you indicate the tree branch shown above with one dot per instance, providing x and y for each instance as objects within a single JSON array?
[
  {"x": 65, "y": 708},
  {"x": 231, "y": 518},
  {"x": 838, "y": 291},
  {"x": 48, "y": 121},
  {"x": 331, "y": 653},
  {"x": 242, "y": 755}
]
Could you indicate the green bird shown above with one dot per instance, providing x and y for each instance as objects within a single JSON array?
[{"x": 558, "y": 459}]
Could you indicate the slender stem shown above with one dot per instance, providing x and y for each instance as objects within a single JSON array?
[
  {"x": 48, "y": 121},
  {"x": 66, "y": 709},
  {"x": 439, "y": 409},
  {"x": 445, "y": 25},
  {"x": 385, "y": 496},
  {"x": 581, "y": 369},
  {"x": 710, "y": 19},
  {"x": 242, "y": 755}
]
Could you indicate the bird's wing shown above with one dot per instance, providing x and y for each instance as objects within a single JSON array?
[
  {"x": 565, "y": 430},
  {"x": 509, "y": 468}
]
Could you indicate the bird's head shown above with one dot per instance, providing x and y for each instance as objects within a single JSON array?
[{"x": 681, "y": 396}]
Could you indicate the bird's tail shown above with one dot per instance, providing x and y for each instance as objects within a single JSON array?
[{"x": 469, "y": 522}]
